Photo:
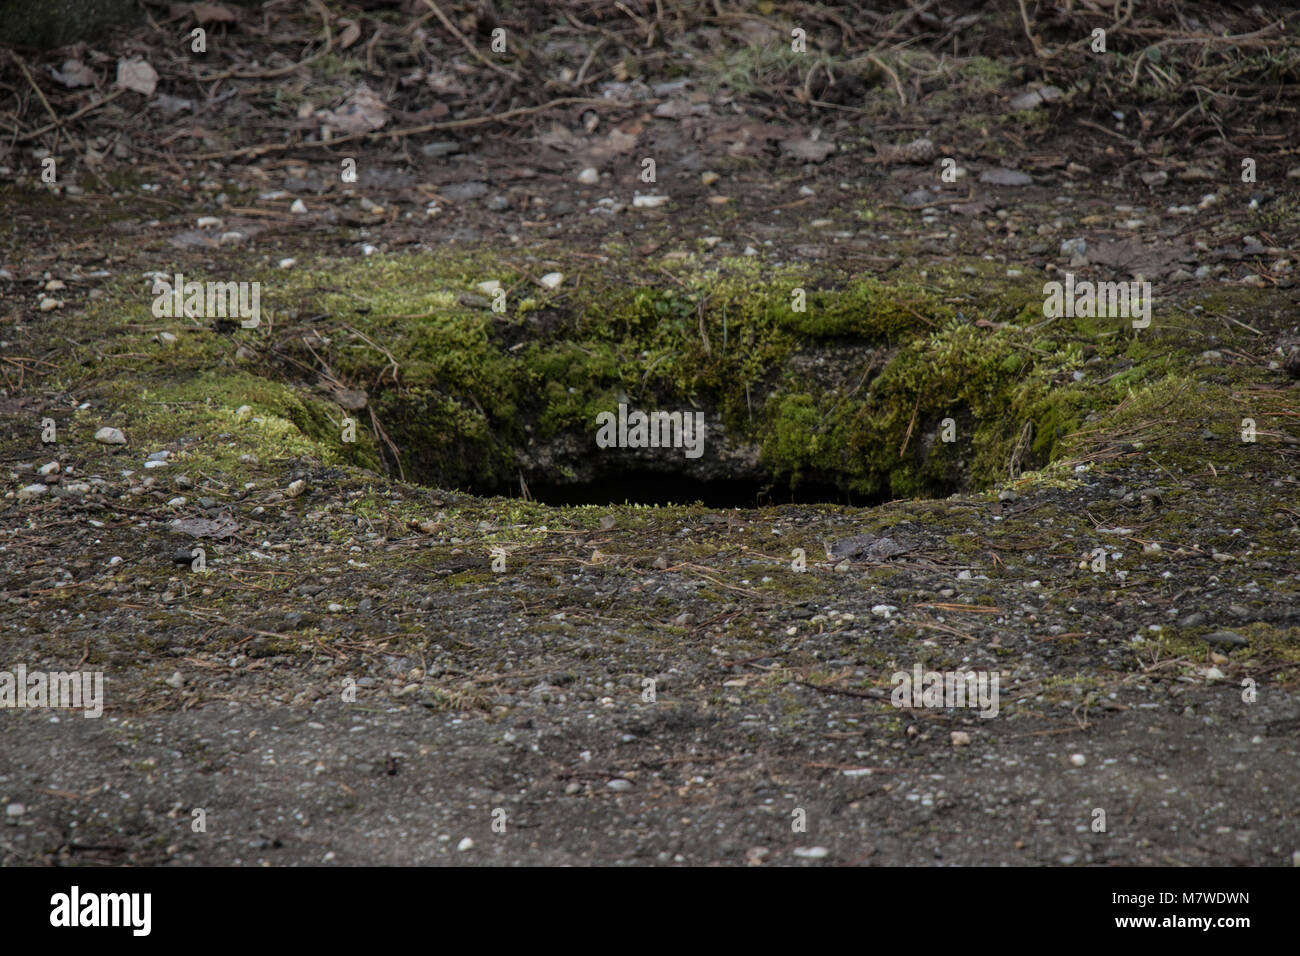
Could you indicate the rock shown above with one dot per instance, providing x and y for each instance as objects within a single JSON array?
[
  {"x": 296, "y": 488},
  {"x": 110, "y": 436},
  {"x": 811, "y": 852},
  {"x": 709, "y": 177},
  {"x": 552, "y": 280},
  {"x": 176, "y": 680},
  {"x": 589, "y": 176},
  {"x": 15, "y": 810},
  {"x": 1077, "y": 251},
  {"x": 1226, "y": 639},
  {"x": 867, "y": 546},
  {"x": 1027, "y": 101},
  {"x": 960, "y": 738},
  {"x": 31, "y": 492},
  {"x": 459, "y": 192},
  {"x": 619, "y": 784},
  {"x": 1157, "y": 178},
  {"x": 47, "y": 304},
  {"x": 1078, "y": 760},
  {"x": 299, "y": 207},
  {"x": 918, "y": 151},
  {"x": 648, "y": 202},
  {"x": 498, "y": 203},
  {"x": 465, "y": 844},
  {"x": 1006, "y": 177},
  {"x": 443, "y": 148}
]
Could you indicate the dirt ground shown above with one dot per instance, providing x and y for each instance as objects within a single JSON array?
[{"x": 440, "y": 645}]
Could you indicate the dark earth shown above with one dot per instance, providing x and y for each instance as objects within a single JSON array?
[{"x": 471, "y": 615}]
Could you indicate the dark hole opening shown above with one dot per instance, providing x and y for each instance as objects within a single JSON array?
[{"x": 659, "y": 488}]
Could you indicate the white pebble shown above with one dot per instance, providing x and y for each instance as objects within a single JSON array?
[{"x": 812, "y": 852}]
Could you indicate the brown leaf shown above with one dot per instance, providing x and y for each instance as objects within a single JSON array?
[
  {"x": 350, "y": 399},
  {"x": 807, "y": 150},
  {"x": 213, "y": 13},
  {"x": 362, "y": 112},
  {"x": 351, "y": 33},
  {"x": 135, "y": 74},
  {"x": 74, "y": 73},
  {"x": 1131, "y": 256},
  {"x": 223, "y": 527}
]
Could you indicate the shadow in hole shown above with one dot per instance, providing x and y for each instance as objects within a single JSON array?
[{"x": 657, "y": 488}]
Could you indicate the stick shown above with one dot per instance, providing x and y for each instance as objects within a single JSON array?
[{"x": 473, "y": 51}]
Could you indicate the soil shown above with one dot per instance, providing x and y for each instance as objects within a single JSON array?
[{"x": 470, "y": 636}]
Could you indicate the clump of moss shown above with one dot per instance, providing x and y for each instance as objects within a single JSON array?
[{"x": 871, "y": 388}]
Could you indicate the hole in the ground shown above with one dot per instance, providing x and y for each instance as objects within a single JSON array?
[{"x": 658, "y": 488}]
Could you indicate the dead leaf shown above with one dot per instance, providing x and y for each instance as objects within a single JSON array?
[
  {"x": 213, "y": 13},
  {"x": 223, "y": 527},
  {"x": 869, "y": 546},
  {"x": 137, "y": 75},
  {"x": 351, "y": 33},
  {"x": 74, "y": 73},
  {"x": 350, "y": 399},
  {"x": 1131, "y": 256},
  {"x": 362, "y": 112},
  {"x": 1006, "y": 177},
  {"x": 559, "y": 137},
  {"x": 807, "y": 150}
]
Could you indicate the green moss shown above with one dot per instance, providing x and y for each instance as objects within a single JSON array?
[{"x": 844, "y": 383}]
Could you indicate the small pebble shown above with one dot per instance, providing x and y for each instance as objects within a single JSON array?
[{"x": 812, "y": 852}]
